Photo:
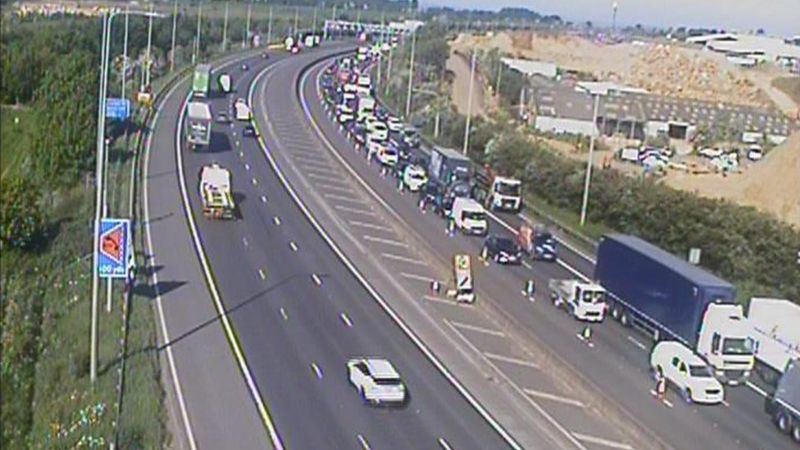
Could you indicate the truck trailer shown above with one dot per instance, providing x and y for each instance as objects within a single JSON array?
[
  {"x": 775, "y": 331},
  {"x": 215, "y": 192},
  {"x": 448, "y": 166},
  {"x": 674, "y": 300},
  {"x": 198, "y": 125},
  {"x": 784, "y": 405},
  {"x": 201, "y": 83}
]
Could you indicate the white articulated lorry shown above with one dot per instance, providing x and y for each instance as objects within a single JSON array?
[
  {"x": 775, "y": 325},
  {"x": 197, "y": 129}
]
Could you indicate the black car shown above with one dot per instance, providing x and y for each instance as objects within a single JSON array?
[
  {"x": 502, "y": 250},
  {"x": 265, "y": 55},
  {"x": 249, "y": 131},
  {"x": 245, "y": 68}
]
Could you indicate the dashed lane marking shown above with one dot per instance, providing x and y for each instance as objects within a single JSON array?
[
  {"x": 477, "y": 329},
  {"x": 344, "y": 199},
  {"x": 331, "y": 187},
  {"x": 317, "y": 280},
  {"x": 244, "y": 241},
  {"x": 385, "y": 241},
  {"x": 262, "y": 274},
  {"x": 276, "y": 220},
  {"x": 346, "y": 320},
  {"x": 317, "y": 370},
  {"x": 403, "y": 259},
  {"x": 284, "y": 314},
  {"x": 263, "y": 199},
  {"x": 363, "y": 442},
  {"x": 637, "y": 343},
  {"x": 354, "y": 210},
  {"x": 293, "y": 246},
  {"x": 444, "y": 444},
  {"x": 371, "y": 226},
  {"x": 553, "y": 397},
  {"x": 601, "y": 441},
  {"x": 510, "y": 360}
]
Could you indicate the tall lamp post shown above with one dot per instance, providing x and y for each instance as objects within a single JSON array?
[
  {"x": 469, "y": 102},
  {"x": 589, "y": 164},
  {"x": 410, "y": 73}
]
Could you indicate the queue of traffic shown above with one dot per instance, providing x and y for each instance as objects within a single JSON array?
[{"x": 703, "y": 338}]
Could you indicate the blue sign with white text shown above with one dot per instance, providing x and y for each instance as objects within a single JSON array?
[
  {"x": 118, "y": 108},
  {"x": 113, "y": 248}
]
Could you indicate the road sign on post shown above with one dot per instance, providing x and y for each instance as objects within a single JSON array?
[
  {"x": 113, "y": 248},
  {"x": 118, "y": 108}
]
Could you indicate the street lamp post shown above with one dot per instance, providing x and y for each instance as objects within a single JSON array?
[
  {"x": 589, "y": 164},
  {"x": 225, "y": 29},
  {"x": 410, "y": 73},
  {"x": 149, "y": 61},
  {"x": 196, "y": 54},
  {"x": 174, "y": 29},
  {"x": 269, "y": 27},
  {"x": 469, "y": 102},
  {"x": 247, "y": 29},
  {"x": 125, "y": 56}
]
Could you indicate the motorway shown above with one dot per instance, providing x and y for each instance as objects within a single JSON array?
[
  {"x": 612, "y": 376},
  {"x": 299, "y": 314}
]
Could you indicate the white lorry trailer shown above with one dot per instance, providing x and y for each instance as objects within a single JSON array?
[
  {"x": 215, "y": 192},
  {"x": 775, "y": 325},
  {"x": 784, "y": 405},
  {"x": 197, "y": 129},
  {"x": 584, "y": 301}
]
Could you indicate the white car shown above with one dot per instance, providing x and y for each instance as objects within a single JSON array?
[
  {"x": 755, "y": 152},
  {"x": 378, "y": 130},
  {"x": 344, "y": 114},
  {"x": 414, "y": 177},
  {"x": 376, "y": 380},
  {"x": 350, "y": 87},
  {"x": 711, "y": 153},
  {"x": 387, "y": 156},
  {"x": 686, "y": 371},
  {"x": 394, "y": 124}
]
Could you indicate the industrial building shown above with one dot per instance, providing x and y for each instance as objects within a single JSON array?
[{"x": 749, "y": 50}]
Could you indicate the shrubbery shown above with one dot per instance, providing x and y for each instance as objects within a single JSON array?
[
  {"x": 21, "y": 219},
  {"x": 752, "y": 249}
]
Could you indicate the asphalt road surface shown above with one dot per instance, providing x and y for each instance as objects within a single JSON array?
[
  {"x": 299, "y": 314},
  {"x": 615, "y": 370}
]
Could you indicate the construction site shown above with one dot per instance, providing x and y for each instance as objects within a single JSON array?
[{"x": 724, "y": 129}]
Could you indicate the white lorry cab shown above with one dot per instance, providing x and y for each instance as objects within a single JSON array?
[
  {"x": 725, "y": 342},
  {"x": 414, "y": 177},
  {"x": 469, "y": 216},
  {"x": 225, "y": 83},
  {"x": 687, "y": 372},
  {"x": 462, "y": 276},
  {"x": 242, "y": 110},
  {"x": 584, "y": 301}
]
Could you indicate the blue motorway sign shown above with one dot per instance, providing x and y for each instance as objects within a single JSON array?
[
  {"x": 114, "y": 248},
  {"x": 118, "y": 108}
]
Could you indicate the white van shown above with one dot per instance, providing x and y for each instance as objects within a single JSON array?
[
  {"x": 469, "y": 216},
  {"x": 686, "y": 371},
  {"x": 414, "y": 177},
  {"x": 242, "y": 110}
]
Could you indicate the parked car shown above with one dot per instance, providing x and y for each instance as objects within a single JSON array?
[
  {"x": 687, "y": 372},
  {"x": 376, "y": 380},
  {"x": 502, "y": 250}
]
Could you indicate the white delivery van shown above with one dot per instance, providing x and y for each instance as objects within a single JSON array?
[
  {"x": 242, "y": 110},
  {"x": 686, "y": 371},
  {"x": 469, "y": 216}
]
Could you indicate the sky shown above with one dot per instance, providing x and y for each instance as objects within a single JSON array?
[{"x": 777, "y": 17}]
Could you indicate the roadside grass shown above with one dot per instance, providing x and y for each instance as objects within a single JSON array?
[{"x": 15, "y": 137}]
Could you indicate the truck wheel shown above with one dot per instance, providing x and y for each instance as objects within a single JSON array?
[
  {"x": 782, "y": 421},
  {"x": 615, "y": 312},
  {"x": 796, "y": 432},
  {"x": 657, "y": 335},
  {"x": 623, "y": 318},
  {"x": 687, "y": 395}
]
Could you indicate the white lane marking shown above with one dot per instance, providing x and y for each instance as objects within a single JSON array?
[
  {"x": 354, "y": 210},
  {"x": 241, "y": 154},
  {"x": 519, "y": 390},
  {"x": 554, "y": 397},
  {"x": 187, "y": 425},
  {"x": 293, "y": 246},
  {"x": 637, "y": 343},
  {"x": 371, "y": 226},
  {"x": 263, "y": 199},
  {"x": 527, "y": 265},
  {"x": 317, "y": 370},
  {"x": 346, "y": 320},
  {"x": 331, "y": 187},
  {"x": 510, "y": 360},
  {"x": 601, "y": 441},
  {"x": 475, "y": 328},
  {"x": 322, "y": 177},
  {"x": 375, "y": 295},
  {"x": 757, "y": 389},
  {"x": 305, "y": 160},
  {"x": 385, "y": 241},
  {"x": 262, "y": 274},
  {"x": 317, "y": 280},
  {"x": 237, "y": 142},
  {"x": 244, "y": 241},
  {"x": 444, "y": 444},
  {"x": 321, "y": 170},
  {"x": 443, "y": 301},
  {"x": 403, "y": 259},
  {"x": 344, "y": 199},
  {"x": 246, "y": 166},
  {"x": 284, "y": 314},
  {"x": 255, "y": 182},
  {"x": 276, "y": 220},
  {"x": 413, "y": 276},
  {"x": 363, "y": 442}
]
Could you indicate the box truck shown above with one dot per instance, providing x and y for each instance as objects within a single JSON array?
[
  {"x": 447, "y": 166},
  {"x": 197, "y": 129},
  {"x": 672, "y": 299},
  {"x": 215, "y": 192},
  {"x": 201, "y": 81},
  {"x": 784, "y": 405},
  {"x": 775, "y": 331}
]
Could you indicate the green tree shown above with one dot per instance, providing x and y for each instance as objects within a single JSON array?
[{"x": 21, "y": 218}]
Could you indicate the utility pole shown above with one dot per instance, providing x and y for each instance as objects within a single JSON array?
[
  {"x": 314, "y": 27},
  {"x": 247, "y": 30},
  {"x": 410, "y": 73},
  {"x": 196, "y": 55},
  {"x": 149, "y": 62},
  {"x": 269, "y": 27},
  {"x": 174, "y": 28},
  {"x": 296, "y": 12},
  {"x": 389, "y": 71},
  {"x": 589, "y": 163},
  {"x": 499, "y": 76},
  {"x": 521, "y": 102},
  {"x": 225, "y": 29},
  {"x": 469, "y": 102},
  {"x": 125, "y": 55}
]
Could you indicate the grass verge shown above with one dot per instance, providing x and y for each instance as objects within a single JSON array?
[{"x": 16, "y": 132}]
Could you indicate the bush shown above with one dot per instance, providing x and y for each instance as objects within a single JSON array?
[{"x": 22, "y": 221}]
